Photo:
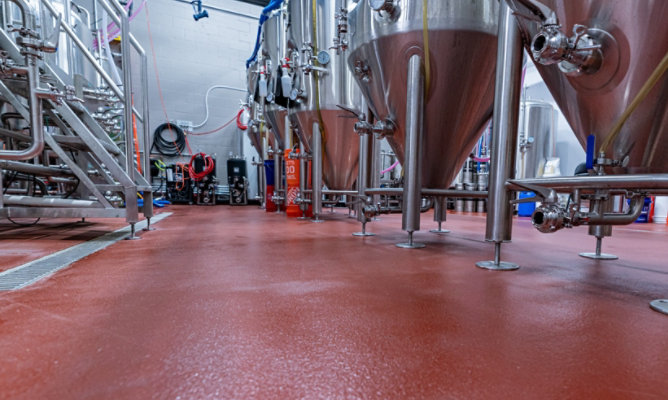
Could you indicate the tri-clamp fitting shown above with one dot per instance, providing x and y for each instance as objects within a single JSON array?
[{"x": 580, "y": 53}]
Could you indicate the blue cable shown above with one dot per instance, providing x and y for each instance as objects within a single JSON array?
[{"x": 273, "y": 5}]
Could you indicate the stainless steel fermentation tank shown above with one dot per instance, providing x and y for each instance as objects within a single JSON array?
[
  {"x": 322, "y": 83},
  {"x": 536, "y": 138},
  {"x": 253, "y": 130},
  {"x": 462, "y": 53},
  {"x": 274, "y": 52},
  {"x": 594, "y": 62}
]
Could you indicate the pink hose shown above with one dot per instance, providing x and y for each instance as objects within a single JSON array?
[
  {"x": 393, "y": 166},
  {"x": 115, "y": 33},
  {"x": 478, "y": 159}
]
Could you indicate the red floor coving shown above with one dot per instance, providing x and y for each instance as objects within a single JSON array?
[{"x": 235, "y": 303}]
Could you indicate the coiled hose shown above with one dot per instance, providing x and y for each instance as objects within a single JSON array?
[
  {"x": 208, "y": 168},
  {"x": 169, "y": 147}
]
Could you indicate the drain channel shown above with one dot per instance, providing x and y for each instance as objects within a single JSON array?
[{"x": 33, "y": 271}]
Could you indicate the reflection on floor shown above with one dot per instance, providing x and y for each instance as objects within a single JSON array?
[{"x": 234, "y": 303}]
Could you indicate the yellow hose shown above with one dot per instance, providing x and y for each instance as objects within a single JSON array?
[
  {"x": 425, "y": 39},
  {"x": 642, "y": 94}
]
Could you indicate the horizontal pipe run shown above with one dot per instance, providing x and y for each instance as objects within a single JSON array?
[
  {"x": 335, "y": 192},
  {"x": 631, "y": 182},
  {"x": 449, "y": 193},
  {"x": 13, "y": 200},
  {"x": 456, "y": 194},
  {"x": 35, "y": 169}
]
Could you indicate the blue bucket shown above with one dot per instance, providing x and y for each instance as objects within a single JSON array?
[{"x": 526, "y": 209}]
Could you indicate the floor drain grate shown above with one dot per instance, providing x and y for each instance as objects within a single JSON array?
[{"x": 29, "y": 273}]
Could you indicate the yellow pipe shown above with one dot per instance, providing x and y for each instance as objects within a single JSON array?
[{"x": 642, "y": 94}]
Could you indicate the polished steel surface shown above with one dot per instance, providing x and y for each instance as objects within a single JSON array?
[
  {"x": 414, "y": 146},
  {"x": 536, "y": 141},
  {"x": 505, "y": 123},
  {"x": 275, "y": 117},
  {"x": 636, "y": 40},
  {"x": 340, "y": 147},
  {"x": 316, "y": 200},
  {"x": 324, "y": 90},
  {"x": 462, "y": 43}
]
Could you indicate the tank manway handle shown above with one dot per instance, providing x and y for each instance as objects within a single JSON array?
[{"x": 591, "y": 148}]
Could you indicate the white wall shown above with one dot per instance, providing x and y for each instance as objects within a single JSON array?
[{"x": 192, "y": 56}]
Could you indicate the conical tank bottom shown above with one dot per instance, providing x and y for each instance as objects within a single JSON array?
[
  {"x": 340, "y": 145},
  {"x": 459, "y": 100},
  {"x": 634, "y": 39},
  {"x": 276, "y": 118},
  {"x": 255, "y": 139}
]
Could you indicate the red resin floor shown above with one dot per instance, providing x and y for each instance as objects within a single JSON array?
[{"x": 233, "y": 303}]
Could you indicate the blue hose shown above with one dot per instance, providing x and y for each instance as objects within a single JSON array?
[{"x": 273, "y": 5}]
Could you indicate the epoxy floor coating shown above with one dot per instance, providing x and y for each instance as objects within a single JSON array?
[{"x": 234, "y": 303}]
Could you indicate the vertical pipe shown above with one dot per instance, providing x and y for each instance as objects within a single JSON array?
[
  {"x": 145, "y": 118},
  {"x": 317, "y": 172},
  {"x": 412, "y": 168},
  {"x": 278, "y": 181},
  {"x": 303, "y": 176},
  {"x": 34, "y": 103},
  {"x": 505, "y": 124},
  {"x": 288, "y": 134},
  {"x": 68, "y": 45},
  {"x": 146, "y": 137},
  {"x": 127, "y": 95},
  {"x": 504, "y": 140},
  {"x": 374, "y": 173},
  {"x": 362, "y": 174}
]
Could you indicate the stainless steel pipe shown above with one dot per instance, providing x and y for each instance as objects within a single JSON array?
[
  {"x": 413, "y": 161},
  {"x": 39, "y": 170},
  {"x": 448, "y": 193},
  {"x": 362, "y": 172},
  {"x": 630, "y": 182},
  {"x": 278, "y": 180},
  {"x": 13, "y": 200},
  {"x": 505, "y": 124},
  {"x": 317, "y": 172},
  {"x": 619, "y": 219},
  {"x": 34, "y": 103}
]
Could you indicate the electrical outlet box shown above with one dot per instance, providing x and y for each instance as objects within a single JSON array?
[{"x": 185, "y": 125}]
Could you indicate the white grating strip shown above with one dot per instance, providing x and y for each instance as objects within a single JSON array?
[{"x": 29, "y": 273}]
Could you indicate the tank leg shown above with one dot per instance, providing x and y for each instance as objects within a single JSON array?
[
  {"x": 413, "y": 172},
  {"x": 598, "y": 255},
  {"x": 364, "y": 233},
  {"x": 302, "y": 181},
  {"x": 497, "y": 264},
  {"x": 317, "y": 174},
  {"x": 504, "y": 139},
  {"x": 440, "y": 212},
  {"x": 278, "y": 182}
]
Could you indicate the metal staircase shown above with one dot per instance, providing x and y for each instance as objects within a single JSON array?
[{"x": 80, "y": 170}]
